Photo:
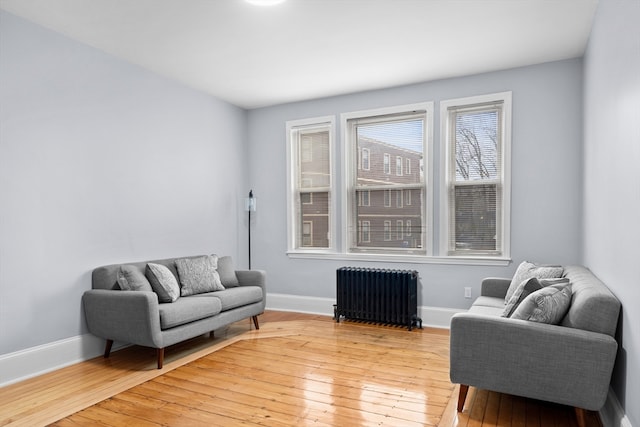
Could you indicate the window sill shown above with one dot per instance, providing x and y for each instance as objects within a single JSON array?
[{"x": 406, "y": 259}]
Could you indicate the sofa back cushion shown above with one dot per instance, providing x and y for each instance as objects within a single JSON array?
[
  {"x": 106, "y": 277},
  {"x": 593, "y": 306}
]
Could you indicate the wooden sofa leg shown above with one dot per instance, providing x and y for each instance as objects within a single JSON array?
[
  {"x": 107, "y": 348},
  {"x": 581, "y": 417},
  {"x": 255, "y": 322},
  {"x": 462, "y": 396},
  {"x": 160, "y": 353}
]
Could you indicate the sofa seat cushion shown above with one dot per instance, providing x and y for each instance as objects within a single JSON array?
[
  {"x": 185, "y": 310},
  {"x": 235, "y": 297},
  {"x": 487, "y": 310},
  {"x": 489, "y": 302}
]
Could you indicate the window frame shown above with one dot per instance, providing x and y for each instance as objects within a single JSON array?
[
  {"x": 291, "y": 126},
  {"x": 435, "y": 219},
  {"x": 481, "y": 102},
  {"x": 349, "y": 169}
]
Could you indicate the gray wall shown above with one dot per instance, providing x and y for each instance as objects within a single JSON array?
[
  {"x": 612, "y": 178},
  {"x": 546, "y": 178},
  {"x": 102, "y": 162}
]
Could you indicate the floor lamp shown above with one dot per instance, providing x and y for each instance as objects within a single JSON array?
[{"x": 250, "y": 205}]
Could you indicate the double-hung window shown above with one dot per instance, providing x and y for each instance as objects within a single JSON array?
[
  {"x": 475, "y": 202},
  {"x": 311, "y": 194},
  {"x": 393, "y": 138}
]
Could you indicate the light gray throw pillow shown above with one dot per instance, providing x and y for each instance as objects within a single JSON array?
[
  {"x": 227, "y": 272},
  {"x": 526, "y": 270},
  {"x": 547, "y": 305},
  {"x": 198, "y": 275},
  {"x": 131, "y": 279},
  {"x": 163, "y": 282}
]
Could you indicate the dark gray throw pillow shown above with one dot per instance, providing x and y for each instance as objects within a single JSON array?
[
  {"x": 525, "y": 288},
  {"x": 227, "y": 272},
  {"x": 198, "y": 275},
  {"x": 163, "y": 282},
  {"x": 547, "y": 305},
  {"x": 131, "y": 279}
]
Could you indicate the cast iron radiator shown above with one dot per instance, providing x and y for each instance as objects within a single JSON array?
[{"x": 377, "y": 295}]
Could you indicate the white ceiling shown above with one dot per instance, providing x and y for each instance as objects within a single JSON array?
[{"x": 256, "y": 56}]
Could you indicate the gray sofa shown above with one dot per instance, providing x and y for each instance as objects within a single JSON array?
[
  {"x": 569, "y": 363},
  {"x": 137, "y": 317}
]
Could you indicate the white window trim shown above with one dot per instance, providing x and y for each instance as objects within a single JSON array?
[
  {"x": 346, "y": 184},
  {"x": 338, "y": 251},
  {"x": 445, "y": 165},
  {"x": 291, "y": 220}
]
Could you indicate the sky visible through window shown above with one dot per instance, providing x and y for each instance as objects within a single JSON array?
[{"x": 407, "y": 134}]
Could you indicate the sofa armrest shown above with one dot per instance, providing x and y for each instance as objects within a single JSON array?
[
  {"x": 547, "y": 362},
  {"x": 127, "y": 316},
  {"x": 495, "y": 287},
  {"x": 252, "y": 278}
]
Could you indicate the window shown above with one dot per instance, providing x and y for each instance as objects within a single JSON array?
[
  {"x": 310, "y": 196},
  {"x": 387, "y": 230},
  {"x": 365, "y": 230},
  {"x": 365, "y": 159},
  {"x": 399, "y": 198},
  {"x": 387, "y": 198},
  {"x": 307, "y": 233},
  {"x": 365, "y": 198},
  {"x": 387, "y": 164},
  {"x": 399, "y": 133},
  {"x": 385, "y": 192},
  {"x": 475, "y": 202}
]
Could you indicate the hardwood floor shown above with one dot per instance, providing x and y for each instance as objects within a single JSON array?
[{"x": 296, "y": 370}]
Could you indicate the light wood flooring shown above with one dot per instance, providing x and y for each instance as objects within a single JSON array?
[{"x": 296, "y": 370}]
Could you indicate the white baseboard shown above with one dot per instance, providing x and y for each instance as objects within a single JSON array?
[
  {"x": 612, "y": 414},
  {"x": 41, "y": 359},
  {"x": 434, "y": 317}
]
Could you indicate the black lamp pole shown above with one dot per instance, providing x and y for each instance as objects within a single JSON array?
[{"x": 250, "y": 207}]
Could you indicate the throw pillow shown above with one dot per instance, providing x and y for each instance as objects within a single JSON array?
[
  {"x": 227, "y": 272},
  {"x": 163, "y": 282},
  {"x": 131, "y": 279},
  {"x": 547, "y": 305},
  {"x": 198, "y": 275},
  {"x": 526, "y": 270},
  {"x": 523, "y": 290},
  {"x": 526, "y": 288}
]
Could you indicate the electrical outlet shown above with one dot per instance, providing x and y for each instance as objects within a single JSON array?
[{"x": 467, "y": 292}]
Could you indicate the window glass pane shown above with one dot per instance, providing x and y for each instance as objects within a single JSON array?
[
  {"x": 314, "y": 219},
  {"x": 475, "y": 217},
  {"x": 314, "y": 167},
  {"x": 477, "y": 151},
  {"x": 395, "y": 192},
  {"x": 310, "y": 222},
  {"x": 380, "y": 219},
  {"x": 400, "y": 139}
]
